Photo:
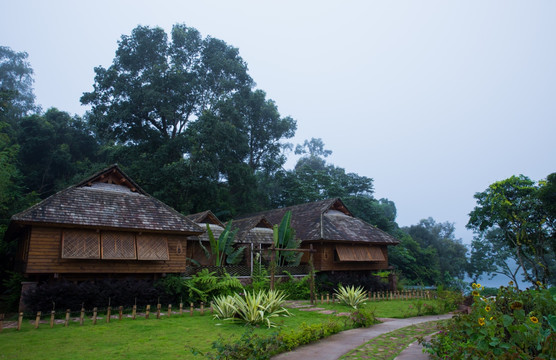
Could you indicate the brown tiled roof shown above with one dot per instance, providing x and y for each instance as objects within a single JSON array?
[
  {"x": 97, "y": 204},
  {"x": 255, "y": 229},
  {"x": 205, "y": 217},
  {"x": 329, "y": 220}
]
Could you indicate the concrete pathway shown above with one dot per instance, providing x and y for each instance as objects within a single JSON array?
[{"x": 332, "y": 347}]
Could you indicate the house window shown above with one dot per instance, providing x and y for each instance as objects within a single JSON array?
[
  {"x": 118, "y": 245},
  {"x": 152, "y": 247},
  {"x": 80, "y": 244}
]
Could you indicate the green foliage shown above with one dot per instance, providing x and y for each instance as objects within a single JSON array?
[
  {"x": 284, "y": 238},
  {"x": 296, "y": 289},
  {"x": 223, "y": 248},
  {"x": 351, "y": 295},
  {"x": 363, "y": 317},
  {"x": 513, "y": 325},
  {"x": 201, "y": 287},
  {"x": 510, "y": 215},
  {"x": 252, "y": 308},
  {"x": 306, "y": 334},
  {"x": 16, "y": 84},
  {"x": 249, "y": 346}
]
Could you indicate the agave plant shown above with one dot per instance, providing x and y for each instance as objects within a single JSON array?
[
  {"x": 351, "y": 296},
  {"x": 224, "y": 307},
  {"x": 253, "y": 308}
]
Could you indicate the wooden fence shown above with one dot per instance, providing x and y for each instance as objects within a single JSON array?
[
  {"x": 387, "y": 295},
  {"x": 109, "y": 314}
]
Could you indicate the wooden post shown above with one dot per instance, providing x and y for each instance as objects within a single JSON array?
[
  {"x": 38, "y": 320},
  {"x": 19, "y": 321},
  {"x": 134, "y": 312},
  {"x": 108, "y": 311},
  {"x": 66, "y": 323},
  {"x": 181, "y": 308},
  {"x": 94, "y": 316},
  {"x": 120, "y": 312},
  {"x": 391, "y": 295},
  {"x": 147, "y": 311},
  {"x": 1, "y": 322},
  {"x": 272, "y": 266},
  {"x": 190, "y": 309},
  {"x": 327, "y": 298},
  {"x": 312, "y": 271},
  {"x": 321, "y": 298},
  {"x": 158, "y": 311},
  {"x": 169, "y": 310},
  {"x": 202, "y": 308},
  {"x": 369, "y": 295},
  {"x": 82, "y": 315},
  {"x": 52, "y": 313}
]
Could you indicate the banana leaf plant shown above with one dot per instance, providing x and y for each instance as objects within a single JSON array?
[
  {"x": 222, "y": 249},
  {"x": 284, "y": 238}
]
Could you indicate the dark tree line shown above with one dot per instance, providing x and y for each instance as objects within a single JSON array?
[{"x": 181, "y": 115}]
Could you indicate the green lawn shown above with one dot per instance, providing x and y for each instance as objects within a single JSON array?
[{"x": 165, "y": 338}]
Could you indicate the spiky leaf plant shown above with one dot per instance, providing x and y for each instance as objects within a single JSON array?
[{"x": 351, "y": 296}]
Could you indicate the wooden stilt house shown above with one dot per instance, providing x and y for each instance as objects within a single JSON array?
[
  {"x": 105, "y": 226},
  {"x": 342, "y": 241}
]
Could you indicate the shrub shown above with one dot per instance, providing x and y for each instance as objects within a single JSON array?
[
  {"x": 351, "y": 296},
  {"x": 515, "y": 324},
  {"x": 306, "y": 334},
  {"x": 205, "y": 285},
  {"x": 296, "y": 289},
  {"x": 363, "y": 318}
]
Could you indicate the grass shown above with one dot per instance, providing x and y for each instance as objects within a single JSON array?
[
  {"x": 388, "y": 346},
  {"x": 397, "y": 309},
  {"x": 165, "y": 338}
]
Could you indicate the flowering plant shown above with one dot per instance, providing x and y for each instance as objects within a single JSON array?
[{"x": 514, "y": 324}]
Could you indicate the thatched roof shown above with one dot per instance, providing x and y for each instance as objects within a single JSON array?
[
  {"x": 108, "y": 199},
  {"x": 328, "y": 220},
  {"x": 204, "y": 218},
  {"x": 255, "y": 229}
]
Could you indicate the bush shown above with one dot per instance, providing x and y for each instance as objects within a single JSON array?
[
  {"x": 515, "y": 324},
  {"x": 363, "y": 318},
  {"x": 296, "y": 289}
]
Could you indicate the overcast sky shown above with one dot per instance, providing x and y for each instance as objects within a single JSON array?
[{"x": 434, "y": 100}]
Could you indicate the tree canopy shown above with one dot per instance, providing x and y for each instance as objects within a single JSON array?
[{"x": 515, "y": 214}]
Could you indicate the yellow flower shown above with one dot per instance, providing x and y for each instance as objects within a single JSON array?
[
  {"x": 474, "y": 286},
  {"x": 491, "y": 318},
  {"x": 487, "y": 308},
  {"x": 475, "y": 293},
  {"x": 482, "y": 321},
  {"x": 534, "y": 319},
  {"x": 511, "y": 283},
  {"x": 479, "y": 286}
]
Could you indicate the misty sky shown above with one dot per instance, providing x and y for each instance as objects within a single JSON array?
[{"x": 434, "y": 100}]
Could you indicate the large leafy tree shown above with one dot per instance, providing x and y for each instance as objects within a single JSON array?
[
  {"x": 451, "y": 253},
  {"x": 16, "y": 85},
  {"x": 155, "y": 86},
  {"x": 54, "y": 150},
  {"x": 523, "y": 222}
]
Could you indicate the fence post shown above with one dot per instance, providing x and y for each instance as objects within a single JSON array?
[
  {"x": 94, "y": 316},
  {"x": 52, "y": 313},
  {"x": 66, "y": 323},
  {"x": 37, "y": 319},
  {"x": 169, "y": 310},
  {"x": 181, "y": 308},
  {"x": 82, "y": 315},
  {"x": 147, "y": 311},
  {"x": 202, "y": 308},
  {"x": 158, "y": 311},
  {"x": 190, "y": 309},
  {"x": 108, "y": 311},
  {"x": 134, "y": 312},
  {"x": 19, "y": 321},
  {"x": 120, "y": 312},
  {"x": 1, "y": 322},
  {"x": 327, "y": 298},
  {"x": 211, "y": 308}
]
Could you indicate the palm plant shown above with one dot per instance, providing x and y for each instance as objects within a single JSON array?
[
  {"x": 284, "y": 238},
  {"x": 222, "y": 248},
  {"x": 350, "y": 295}
]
